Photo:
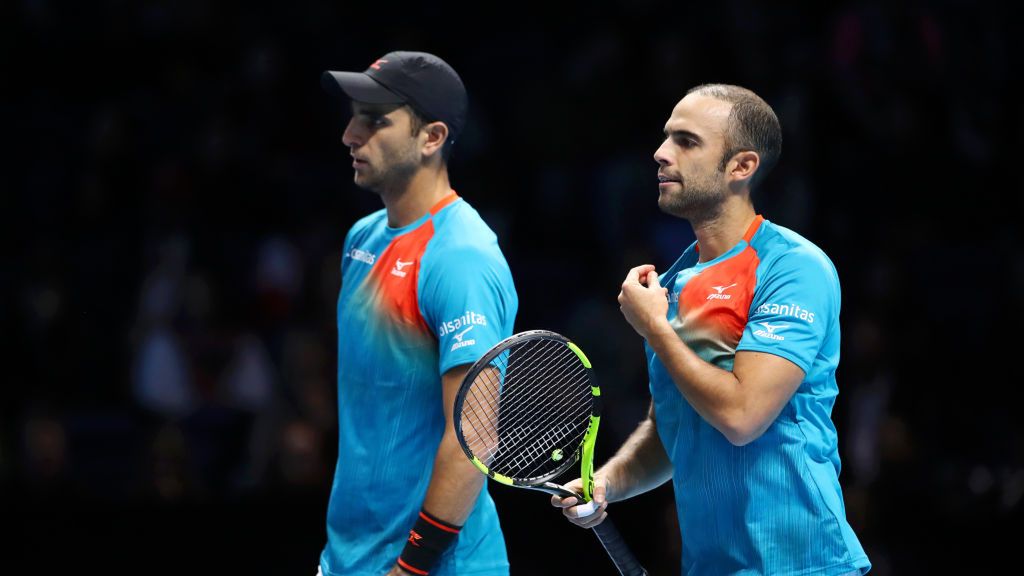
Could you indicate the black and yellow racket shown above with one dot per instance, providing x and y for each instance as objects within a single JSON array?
[{"x": 526, "y": 412}]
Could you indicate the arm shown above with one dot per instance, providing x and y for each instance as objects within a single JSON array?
[
  {"x": 641, "y": 464},
  {"x": 455, "y": 483},
  {"x": 467, "y": 296},
  {"x": 740, "y": 404}
]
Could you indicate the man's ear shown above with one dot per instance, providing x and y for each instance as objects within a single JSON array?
[
  {"x": 437, "y": 135},
  {"x": 743, "y": 165}
]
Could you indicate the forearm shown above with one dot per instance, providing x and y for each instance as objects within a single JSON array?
[
  {"x": 639, "y": 465},
  {"x": 454, "y": 484},
  {"x": 451, "y": 494},
  {"x": 716, "y": 394}
]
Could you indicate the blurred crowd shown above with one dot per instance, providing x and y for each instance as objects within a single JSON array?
[{"x": 178, "y": 195}]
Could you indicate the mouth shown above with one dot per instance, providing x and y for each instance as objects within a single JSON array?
[{"x": 664, "y": 181}]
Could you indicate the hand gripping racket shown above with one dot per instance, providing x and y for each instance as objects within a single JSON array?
[{"x": 526, "y": 412}]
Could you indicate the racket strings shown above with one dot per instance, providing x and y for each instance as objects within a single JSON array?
[
  {"x": 510, "y": 396},
  {"x": 527, "y": 413},
  {"x": 532, "y": 390},
  {"x": 494, "y": 392},
  {"x": 480, "y": 417},
  {"x": 536, "y": 454},
  {"x": 487, "y": 394},
  {"x": 546, "y": 414}
]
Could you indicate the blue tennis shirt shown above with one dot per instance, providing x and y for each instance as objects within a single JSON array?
[
  {"x": 773, "y": 506},
  {"x": 415, "y": 302}
]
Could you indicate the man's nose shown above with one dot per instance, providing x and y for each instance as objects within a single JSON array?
[
  {"x": 352, "y": 136},
  {"x": 661, "y": 155}
]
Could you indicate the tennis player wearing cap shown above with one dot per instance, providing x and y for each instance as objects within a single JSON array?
[{"x": 425, "y": 291}]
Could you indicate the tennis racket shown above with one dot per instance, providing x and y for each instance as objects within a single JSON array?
[{"x": 526, "y": 412}]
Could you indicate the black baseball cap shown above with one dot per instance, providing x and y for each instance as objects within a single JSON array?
[{"x": 423, "y": 81}]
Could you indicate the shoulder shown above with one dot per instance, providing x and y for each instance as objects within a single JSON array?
[
  {"x": 368, "y": 223},
  {"x": 462, "y": 237},
  {"x": 782, "y": 250},
  {"x": 455, "y": 261},
  {"x": 460, "y": 223},
  {"x": 463, "y": 254}
]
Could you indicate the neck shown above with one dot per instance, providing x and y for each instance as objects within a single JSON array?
[
  {"x": 717, "y": 233},
  {"x": 416, "y": 197}
]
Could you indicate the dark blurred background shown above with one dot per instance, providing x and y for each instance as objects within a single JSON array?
[{"x": 176, "y": 195}]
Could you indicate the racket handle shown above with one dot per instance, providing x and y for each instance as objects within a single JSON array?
[{"x": 617, "y": 549}]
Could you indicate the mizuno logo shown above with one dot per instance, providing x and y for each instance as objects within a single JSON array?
[
  {"x": 718, "y": 295},
  {"x": 461, "y": 334},
  {"x": 769, "y": 331},
  {"x": 459, "y": 342},
  {"x": 398, "y": 269}
]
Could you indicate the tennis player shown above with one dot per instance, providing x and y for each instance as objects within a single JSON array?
[
  {"x": 742, "y": 341},
  {"x": 425, "y": 291}
]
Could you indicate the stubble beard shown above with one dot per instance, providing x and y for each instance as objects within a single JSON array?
[
  {"x": 701, "y": 198},
  {"x": 394, "y": 173}
]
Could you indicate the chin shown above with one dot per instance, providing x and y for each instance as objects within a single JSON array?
[
  {"x": 677, "y": 209},
  {"x": 667, "y": 205},
  {"x": 363, "y": 182}
]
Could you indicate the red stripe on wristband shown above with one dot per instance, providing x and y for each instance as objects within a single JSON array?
[
  {"x": 411, "y": 569},
  {"x": 438, "y": 524},
  {"x": 429, "y": 538}
]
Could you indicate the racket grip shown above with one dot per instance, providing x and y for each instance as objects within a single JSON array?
[{"x": 617, "y": 549}]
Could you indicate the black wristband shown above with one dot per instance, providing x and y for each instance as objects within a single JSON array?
[{"x": 428, "y": 539}]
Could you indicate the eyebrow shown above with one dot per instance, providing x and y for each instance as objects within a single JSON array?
[{"x": 684, "y": 134}]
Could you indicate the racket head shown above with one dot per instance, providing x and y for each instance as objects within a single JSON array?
[{"x": 528, "y": 410}]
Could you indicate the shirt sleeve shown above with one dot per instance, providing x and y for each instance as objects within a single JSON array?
[
  {"x": 469, "y": 301},
  {"x": 795, "y": 304}
]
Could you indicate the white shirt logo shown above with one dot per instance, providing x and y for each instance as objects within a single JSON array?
[
  {"x": 361, "y": 255},
  {"x": 789, "y": 310},
  {"x": 461, "y": 334},
  {"x": 769, "y": 331},
  {"x": 399, "y": 265},
  {"x": 456, "y": 324},
  {"x": 459, "y": 342},
  {"x": 718, "y": 295}
]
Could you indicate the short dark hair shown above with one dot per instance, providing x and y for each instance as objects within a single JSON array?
[
  {"x": 417, "y": 122},
  {"x": 753, "y": 125}
]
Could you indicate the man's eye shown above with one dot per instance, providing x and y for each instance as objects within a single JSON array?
[
  {"x": 374, "y": 121},
  {"x": 685, "y": 142}
]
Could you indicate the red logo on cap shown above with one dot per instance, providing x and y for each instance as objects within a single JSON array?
[{"x": 376, "y": 65}]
